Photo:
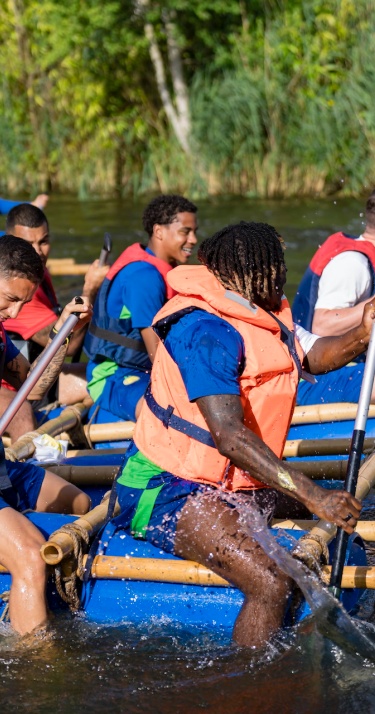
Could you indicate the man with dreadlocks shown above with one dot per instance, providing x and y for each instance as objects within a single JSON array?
[{"x": 215, "y": 418}]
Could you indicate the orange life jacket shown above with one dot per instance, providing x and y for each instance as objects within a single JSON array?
[{"x": 268, "y": 386}]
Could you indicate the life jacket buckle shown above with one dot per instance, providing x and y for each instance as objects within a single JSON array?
[{"x": 166, "y": 419}]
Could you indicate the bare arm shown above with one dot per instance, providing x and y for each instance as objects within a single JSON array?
[
  {"x": 224, "y": 416},
  {"x": 330, "y": 353},
  {"x": 337, "y": 321},
  {"x": 151, "y": 341},
  {"x": 16, "y": 371},
  {"x": 41, "y": 200},
  {"x": 42, "y": 336},
  {"x": 93, "y": 280}
]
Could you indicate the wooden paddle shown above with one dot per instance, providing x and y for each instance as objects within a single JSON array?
[
  {"x": 105, "y": 251},
  {"x": 39, "y": 368}
]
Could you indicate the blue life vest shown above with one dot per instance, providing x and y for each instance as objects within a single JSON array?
[
  {"x": 307, "y": 292},
  {"x": 7, "y": 491},
  {"x": 115, "y": 338}
]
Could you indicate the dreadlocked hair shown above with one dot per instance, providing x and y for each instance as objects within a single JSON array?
[{"x": 247, "y": 258}]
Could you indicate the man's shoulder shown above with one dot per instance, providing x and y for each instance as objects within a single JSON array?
[
  {"x": 139, "y": 270},
  {"x": 201, "y": 324}
]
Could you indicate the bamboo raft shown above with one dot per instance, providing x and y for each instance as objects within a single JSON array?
[{"x": 132, "y": 581}]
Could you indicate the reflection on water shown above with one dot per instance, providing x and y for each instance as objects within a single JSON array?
[{"x": 161, "y": 668}]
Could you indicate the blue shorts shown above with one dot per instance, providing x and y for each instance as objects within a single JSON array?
[
  {"x": 118, "y": 401},
  {"x": 152, "y": 513},
  {"x": 341, "y": 385},
  {"x": 150, "y": 508},
  {"x": 27, "y": 479}
]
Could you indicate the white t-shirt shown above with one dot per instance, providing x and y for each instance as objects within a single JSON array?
[
  {"x": 345, "y": 281},
  {"x": 305, "y": 338}
]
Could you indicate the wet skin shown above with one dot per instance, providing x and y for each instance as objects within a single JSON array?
[{"x": 209, "y": 532}]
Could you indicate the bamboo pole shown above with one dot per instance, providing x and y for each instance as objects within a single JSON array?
[
  {"x": 323, "y": 447},
  {"x": 86, "y": 475},
  {"x": 320, "y": 413},
  {"x": 322, "y": 469},
  {"x": 189, "y": 573},
  {"x": 95, "y": 452},
  {"x": 24, "y": 447},
  {"x": 116, "y": 431},
  {"x": 365, "y": 529},
  {"x": 154, "y": 570},
  {"x": 97, "y": 475},
  {"x": 354, "y": 576},
  {"x": 54, "y": 551}
]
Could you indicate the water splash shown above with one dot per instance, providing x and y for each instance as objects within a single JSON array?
[{"x": 330, "y": 617}]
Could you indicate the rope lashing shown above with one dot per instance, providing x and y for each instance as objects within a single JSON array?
[
  {"x": 67, "y": 582},
  {"x": 313, "y": 556},
  {"x": 25, "y": 439}
]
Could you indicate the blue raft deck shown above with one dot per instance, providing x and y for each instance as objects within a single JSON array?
[{"x": 137, "y": 601}]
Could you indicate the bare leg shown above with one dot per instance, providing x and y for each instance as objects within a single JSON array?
[
  {"x": 209, "y": 532},
  {"x": 59, "y": 496},
  {"x": 23, "y": 421},
  {"x": 20, "y": 543},
  {"x": 72, "y": 384}
]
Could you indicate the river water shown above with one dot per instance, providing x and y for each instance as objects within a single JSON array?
[{"x": 160, "y": 668}]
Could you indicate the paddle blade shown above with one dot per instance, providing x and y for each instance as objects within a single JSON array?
[{"x": 333, "y": 622}]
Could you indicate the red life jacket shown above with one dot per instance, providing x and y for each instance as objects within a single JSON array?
[
  {"x": 116, "y": 338},
  {"x": 307, "y": 292}
]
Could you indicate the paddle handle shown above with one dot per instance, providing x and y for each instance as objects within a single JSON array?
[
  {"x": 354, "y": 462},
  {"x": 38, "y": 370},
  {"x": 105, "y": 251}
]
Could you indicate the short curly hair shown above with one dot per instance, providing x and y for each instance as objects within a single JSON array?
[
  {"x": 19, "y": 259},
  {"x": 25, "y": 214},
  {"x": 163, "y": 210}
]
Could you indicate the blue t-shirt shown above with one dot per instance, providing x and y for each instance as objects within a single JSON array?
[
  {"x": 6, "y": 206},
  {"x": 209, "y": 352},
  {"x": 137, "y": 291}
]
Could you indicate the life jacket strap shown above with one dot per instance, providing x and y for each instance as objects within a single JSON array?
[
  {"x": 288, "y": 338},
  {"x": 122, "y": 340},
  {"x": 171, "y": 421}
]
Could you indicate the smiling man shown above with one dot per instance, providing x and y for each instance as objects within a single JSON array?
[
  {"x": 31, "y": 327},
  {"x": 25, "y": 486},
  {"x": 120, "y": 342}
]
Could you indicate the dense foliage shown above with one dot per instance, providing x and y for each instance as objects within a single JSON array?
[{"x": 270, "y": 98}]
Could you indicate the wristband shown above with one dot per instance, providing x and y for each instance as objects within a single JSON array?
[{"x": 54, "y": 332}]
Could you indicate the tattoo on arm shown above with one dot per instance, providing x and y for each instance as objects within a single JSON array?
[{"x": 49, "y": 375}]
